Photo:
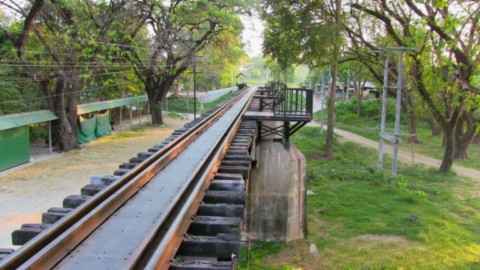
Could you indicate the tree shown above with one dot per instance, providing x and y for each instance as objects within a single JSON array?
[
  {"x": 179, "y": 31},
  {"x": 445, "y": 63},
  {"x": 59, "y": 50},
  {"x": 64, "y": 94},
  {"x": 306, "y": 32}
]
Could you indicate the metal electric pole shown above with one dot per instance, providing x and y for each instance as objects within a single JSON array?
[
  {"x": 384, "y": 116},
  {"x": 395, "y": 137},
  {"x": 322, "y": 101},
  {"x": 398, "y": 106},
  {"x": 194, "y": 87}
]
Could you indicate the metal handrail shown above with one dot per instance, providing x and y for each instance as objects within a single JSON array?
[{"x": 294, "y": 101}]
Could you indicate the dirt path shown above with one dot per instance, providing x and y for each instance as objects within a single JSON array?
[
  {"x": 26, "y": 193},
  {"x": 404, "y": 156}
]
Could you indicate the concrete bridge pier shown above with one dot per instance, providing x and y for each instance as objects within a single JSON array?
[{"x": 276, "y": 200}]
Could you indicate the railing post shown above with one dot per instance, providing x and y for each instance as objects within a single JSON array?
[{"x": 309, "y": 102}]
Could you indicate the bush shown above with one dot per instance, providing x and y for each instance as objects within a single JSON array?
[
  {"x": 370, "y": 109},
  {"x": 38, "y": 132}
]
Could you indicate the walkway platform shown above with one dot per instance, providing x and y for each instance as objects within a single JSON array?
[
  {"x": 280, "y": 111},
  {"x": 271, "y": 116}
]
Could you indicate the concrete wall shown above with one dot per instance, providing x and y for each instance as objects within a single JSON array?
[
  {"x": 209, "y": 95},
  {"x": 276, "y": 202}
]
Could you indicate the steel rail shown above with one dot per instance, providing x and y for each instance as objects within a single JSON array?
[
  {"x": 165, "y": 251},
  {"x": 59, "y": 239}
]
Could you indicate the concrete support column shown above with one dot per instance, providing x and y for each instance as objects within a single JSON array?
[{"x": 276, "y": 202}]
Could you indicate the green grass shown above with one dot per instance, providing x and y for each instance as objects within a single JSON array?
[
  {"x": 369, "y": 126},
  {"x": 134, "y": 132},
  {"x": 359, "y": 221},
  {"x": 174, "y": 115},
  {"x": 179, "y": 104}
]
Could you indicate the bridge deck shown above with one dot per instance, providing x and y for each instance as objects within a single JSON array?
[
  {"x": 111, "y": 246},
  {"x": 270, "y": 116}
]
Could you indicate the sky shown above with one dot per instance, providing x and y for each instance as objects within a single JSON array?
[{"x": 253, "y": 35}]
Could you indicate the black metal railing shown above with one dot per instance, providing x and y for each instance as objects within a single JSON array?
[
  {"x": 272, "y": 88},
  {"x": 294, "y": 102}
]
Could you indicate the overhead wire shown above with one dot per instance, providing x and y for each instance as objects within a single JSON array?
[
  {"x": 73, "y": 92},
  {"x": 15, "y": 63}
]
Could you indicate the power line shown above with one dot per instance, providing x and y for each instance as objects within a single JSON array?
[{"x": 74, "y": 92}]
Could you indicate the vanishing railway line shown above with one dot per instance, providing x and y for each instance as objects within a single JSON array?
[{"x": 178, "y": 206}]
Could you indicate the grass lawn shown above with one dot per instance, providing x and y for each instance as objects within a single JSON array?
[
  {"x": 369, "y": 127},
  {"x": 357, "y": 220},
  {"x": 179, "y": 104}
]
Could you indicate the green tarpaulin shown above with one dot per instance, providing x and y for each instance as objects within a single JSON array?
[
  {"x": 103, "y": 124},
  {"x": 91, "y": 128},
  {"x": 86, "y": 129}
]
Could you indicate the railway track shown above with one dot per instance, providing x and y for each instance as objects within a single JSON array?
[{"x": 178, "y": 206}]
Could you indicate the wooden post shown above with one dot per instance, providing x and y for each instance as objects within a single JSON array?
[
  {"x": 139, "y": 112},
  {"x": 50, "y": 137},
  {"x": 121, "y": 117},
  {"x": 130, "y": 114}
]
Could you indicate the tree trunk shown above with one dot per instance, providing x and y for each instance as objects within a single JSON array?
[
  {"x": 331, "y": 117},
  {"x": 412, "y": 128},
  {"x": 461, "y": 149},
  {"x": 64, "y": 135},
  {"x": 155, "y": 111},
  {"x": 72, "y": 110},
  {"x": 464, "y": 133},
  {"x": 359, "y": 96},
  {"x": 412, "y": 123},
  {"x": 412, "y": 119},
  {"x": 449, "y": 138},
  {"x": 333, "y": 86},
  {"x": 476, "y": 139},
  {"x": 436, "y": 130}
]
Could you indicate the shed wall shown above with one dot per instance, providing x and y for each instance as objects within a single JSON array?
[{"x": 14, "y": 147}]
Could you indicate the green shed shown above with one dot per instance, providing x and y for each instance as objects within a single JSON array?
[{"x": 14, "y": 136}]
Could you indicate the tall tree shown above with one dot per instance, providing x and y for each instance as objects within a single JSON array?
[
  {"x": 445, "y": 63},
  {"x": 51, "y": 18},
  {"x": 57, "y": 48},
  {"x": 307, "y": 32},
  {"x": 178, "y": 30}
]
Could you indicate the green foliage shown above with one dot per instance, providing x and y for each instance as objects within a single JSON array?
[
  {"x": 258, "y": 252},
  {"x": 37, "y": 132},
  {"x": 210, "y": 105},
  {"x": 10, "y": 99},
  {"x": 345, "y": 112},
  {"x": 178, "y": 104},
  {"x": 174, "y": 115}
]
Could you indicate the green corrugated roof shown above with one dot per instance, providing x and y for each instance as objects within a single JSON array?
[
  {"x": 103, "y": 105},
  {"x": 24, "y": 119}
]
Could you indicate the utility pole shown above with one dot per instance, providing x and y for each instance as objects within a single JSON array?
[
  {"x": 194, "y": 87},
  {"x": 322, "y": 101},
  {"x": 348, "y": 83},
  {"x": 395, "y": 137},
  {"x": 398, "y": 107},
  {"x": 384, "y": 116}
]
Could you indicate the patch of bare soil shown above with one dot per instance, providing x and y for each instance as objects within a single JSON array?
[
  {"x": 296, "y": 255},
  {"x": 26, "y": 193},
  {"x": 385, "y": 239}
]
